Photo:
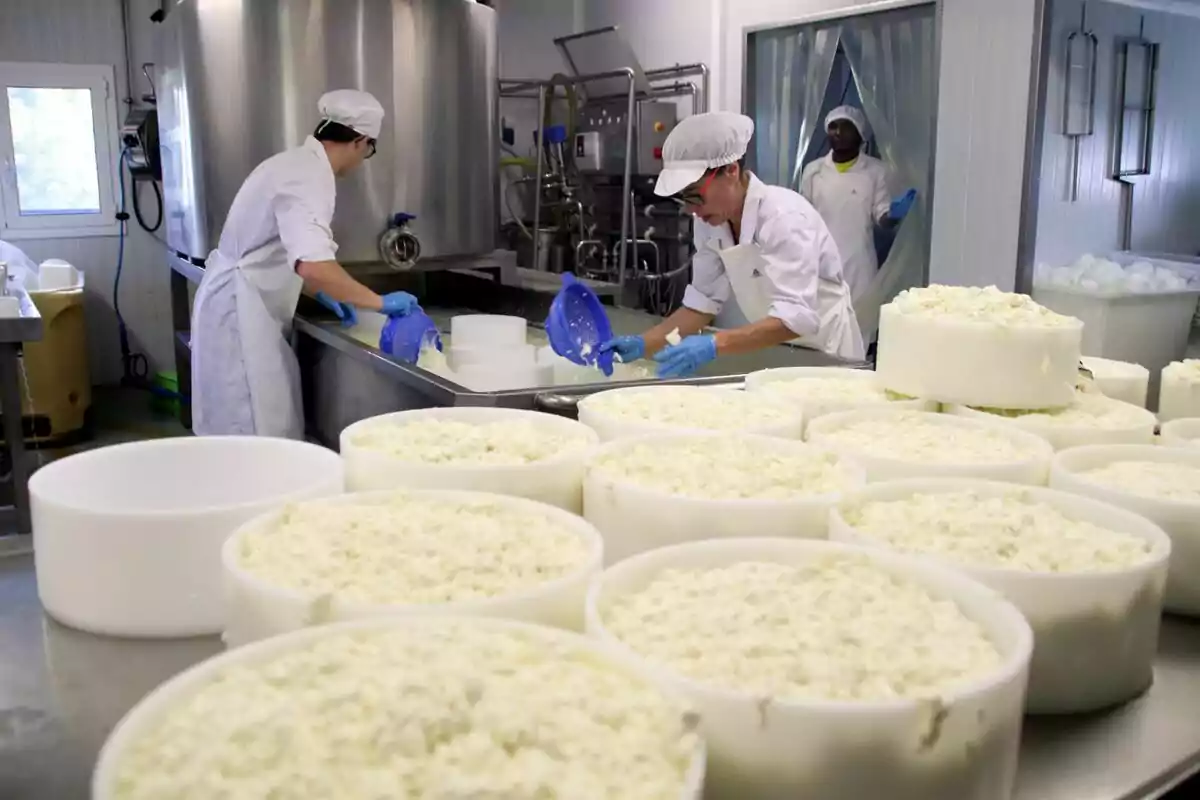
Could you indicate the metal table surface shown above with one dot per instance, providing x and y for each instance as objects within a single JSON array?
[
  {"x": 62, "y": 691},
  {"x": 15, "y": 332}
]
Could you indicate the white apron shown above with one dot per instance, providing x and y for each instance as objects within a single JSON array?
[
  {"x": 245, "y": 376},
  {"x": 839, "y": 334}
]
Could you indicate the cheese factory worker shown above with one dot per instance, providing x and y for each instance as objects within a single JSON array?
[
  {"x": 277, "y": 243},
  {"x": 764, "y": 245},
  {"x": 850, "y": 190}
]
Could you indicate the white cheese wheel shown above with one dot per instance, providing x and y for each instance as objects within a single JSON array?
[
  {"x": 897, "y": 444},
  {"x": 506, "y": 451},
  {"x": 394, "y": 708},
  {"x": 826, "y": 390},
  {"x": 415, "y": 553},
  {"x": 978, "y": 347},
  {"x": 1090, "y": 419},
  {"x": 1161, "y": 484},
  {"x": 1179, "y": 396},
  {"x": 641, "y": 410},
  {"x": 1089, "y": 577},
  {"x": 804, "y": 659},
  {"x": 1120, "y": 380},
  {"x": 1181, "y": 433},
  {"x": 665, "y": 489}
]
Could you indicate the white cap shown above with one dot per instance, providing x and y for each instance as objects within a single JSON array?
[
  {"x": 358, "y": 111},
  {"x": 700, "y": 143},
  {"x": 852, "y": 115}
]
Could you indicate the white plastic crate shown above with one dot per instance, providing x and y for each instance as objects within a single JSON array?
[{"x": 1147, "y": 328}]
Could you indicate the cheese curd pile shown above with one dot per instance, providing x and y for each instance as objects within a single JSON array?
[
  {"x": 978, "y": 304},
  {"x": 1159, "y": 480},
  {"x": 1008, "y": 532},
  {"x": 856, "y": 391},
  {"x": 839, "y": 628},
  {"x": 911, "y": 436},
  {"x": 1187, "y": 370},
  {"x": 1090, "y": 410},
  {"x": 451, "y": 442},
  {"x": 445, "y": 712},
  {"x": 727, "y": 468},
  {"x": 412, "y": 549},
  {"x": 686, "y": 407}
]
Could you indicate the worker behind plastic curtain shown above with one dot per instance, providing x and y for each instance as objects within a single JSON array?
[
  {"x": 850, "y": 191},
  {"x": 764, "y": 245},
  {"x": 277, "y": 243}
]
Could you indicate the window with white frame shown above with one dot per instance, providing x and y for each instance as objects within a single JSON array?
[{"x": 58, "y": 151}]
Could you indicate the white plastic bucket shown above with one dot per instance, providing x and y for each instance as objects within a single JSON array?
[
  {"x": 1140, "y": 429},
  {"x": 787, "y": 424}
]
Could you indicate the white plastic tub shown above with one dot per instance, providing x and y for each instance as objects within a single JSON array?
[
  {"x": 1095, "y": 633},
  {"x": 1181, "y": 433},
  {"x": 1119, "y": 380},
  {"x": 502, "y": 377},
  {"x": 634, "y": 518},
  {"x": 1031, "y": 470},
  {"x": 256, "y": 609},
  {"x": 749, "y": 413},
  {"x": 128, "y": 538},
  {"x": 959, "y": 746},
  {"x": 487, "y": 330},
  {"x": 145, "y": 717},
  {"x": 557, "y": 480},
  {"x": 816, "y": 403},
  {"x": 1180, "y": 395},
  {"x": 1139, "y": 430},
  {"x": 1180, "y": 520},
  {"x": 517, "y": 356}
]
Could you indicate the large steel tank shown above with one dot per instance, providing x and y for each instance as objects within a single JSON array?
[{"x": 238, "y": 80}]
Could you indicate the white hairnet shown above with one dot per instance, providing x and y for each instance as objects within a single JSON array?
[
  {"x": 852, "y": 115},
  {"x": 700, "y": 143},
  {"x": 358, "y": 111}
]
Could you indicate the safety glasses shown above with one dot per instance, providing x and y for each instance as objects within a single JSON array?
[
  {"x": 371, "y": 145},
  {"x": 693, "y": 195}
]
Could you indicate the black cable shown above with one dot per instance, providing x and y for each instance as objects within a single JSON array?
[{"x": 137, "y": 206}]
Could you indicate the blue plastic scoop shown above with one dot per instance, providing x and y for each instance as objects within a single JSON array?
[
  {"x": 577, "y": 325},
  {"x": 403, "y": 337}
]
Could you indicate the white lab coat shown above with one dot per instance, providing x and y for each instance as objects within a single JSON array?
[
  {"x": 245, "y": 376},
  {"x": 786, "y": 266},
  {"x": 851, "y": 203}
]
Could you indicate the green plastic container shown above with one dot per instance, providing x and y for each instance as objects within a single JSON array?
[{"x": 166, "y": 405}]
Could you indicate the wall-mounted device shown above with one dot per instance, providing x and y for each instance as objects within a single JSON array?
[
  {"x": 139, "y": 138},
  {"x": 653, "y": 122}
]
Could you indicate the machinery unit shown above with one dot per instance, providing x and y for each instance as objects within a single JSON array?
[
  {"x": 239, "y": 80},
  {"x": 600, "y": 140}
]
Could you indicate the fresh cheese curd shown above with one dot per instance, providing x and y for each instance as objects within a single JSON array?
[
  {"x": 448, "y": 441},
  {"x": 1160, "y": 480},
  {"x": 1179, "y": 397},
  {"x": 405, "y": 549},
  {"x": 978, "y": 304},
  {"x": 1088, "y": 411},
  {"x": 1007, "y": 532},
  {"x": 727, "y": 468},
  {"x": 915, "y": 436},
  {"x": 837, "y": 628},
  {"x": 625, "y": 412},
  {"x": 430, "y": 710}
]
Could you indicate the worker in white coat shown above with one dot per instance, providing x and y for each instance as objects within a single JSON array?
[
  {"x": 764, "y": 245},
  {"x": 276, "y": 244},
  {"x": 850, "y": 190}
]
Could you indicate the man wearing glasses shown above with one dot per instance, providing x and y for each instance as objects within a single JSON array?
[
  {"x": 276, "y": 244},
  {"x": 764, "y": 245}
]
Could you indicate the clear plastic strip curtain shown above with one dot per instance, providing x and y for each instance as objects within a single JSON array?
[{"x": 893, "y": 59}]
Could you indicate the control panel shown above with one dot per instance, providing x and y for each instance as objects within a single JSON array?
[{"x": 599, "y": 145}]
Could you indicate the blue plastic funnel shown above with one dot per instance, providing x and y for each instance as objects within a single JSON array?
[
  {"x": 577, "y": 325},
  {"x": 403, "y": 337}
]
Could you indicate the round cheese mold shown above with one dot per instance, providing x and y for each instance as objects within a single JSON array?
[
  {"x": 1161, "y": 484},
  {"x": 1179, "y": 393},
  {"x": 825, "y": 390},
  {"x": 841, "y": 671},
  {"x": 639, "y": 410},
  {"x": 507, "y": 451},
  {"x": 1089, "y": 577},
  {"x": 666, "y": 489},
  {"x": 407, "y": 708},
  {"x": 1181, "y": 433},
  {"x": 425, "y": 552},
  {"x": 978, "y": 347},
  {"x": 1120, "y": 380},
  {"x": 1090, "y": 419},
  {"x": 894, "y": 444}
]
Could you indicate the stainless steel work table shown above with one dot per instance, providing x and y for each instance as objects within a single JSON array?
[{"x": 62, "y": 691}]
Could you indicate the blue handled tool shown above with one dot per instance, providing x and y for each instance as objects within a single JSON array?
[
  {"x": 577, "y": 325},
  {"x": 403, "y": 337}
]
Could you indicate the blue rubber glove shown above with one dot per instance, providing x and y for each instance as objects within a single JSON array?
[
  {"x": 683, "y": 359},
  {"x": 902, "y": 205},
  {"x": 344, "y": 311},
  {"x": 399, "y": 304},
  {"x": 626, "y": 348}
]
